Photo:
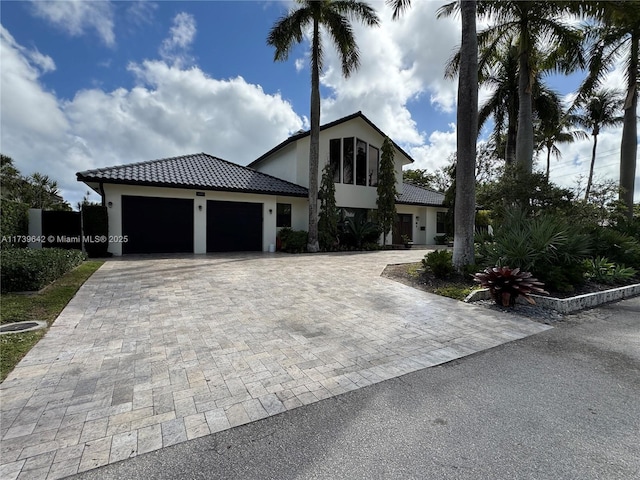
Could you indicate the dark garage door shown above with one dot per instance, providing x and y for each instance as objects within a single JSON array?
[
  {"x": 234, "y": 226},
  {"x": 157, "y": 225}
]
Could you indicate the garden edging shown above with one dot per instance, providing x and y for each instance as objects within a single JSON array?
[{"x": 572, "y": 304}]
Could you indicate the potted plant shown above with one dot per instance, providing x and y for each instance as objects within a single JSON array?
[{"x": 407, "y": 241}]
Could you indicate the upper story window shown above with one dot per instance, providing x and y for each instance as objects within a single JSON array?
[{"x": 354, "y": 162}]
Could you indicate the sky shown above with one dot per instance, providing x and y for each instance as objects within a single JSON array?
[{"x": 89, "y": 84}]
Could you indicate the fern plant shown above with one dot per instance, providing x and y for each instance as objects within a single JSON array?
[{"x": 506, "y": 284}]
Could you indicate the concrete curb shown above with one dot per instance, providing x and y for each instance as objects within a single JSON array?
[{"x": 573, "y": 304}]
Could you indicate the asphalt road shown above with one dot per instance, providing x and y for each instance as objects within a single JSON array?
[{"x": 563, "y": 404}]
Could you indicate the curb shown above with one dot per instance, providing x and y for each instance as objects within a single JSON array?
[{"x": 573, "y": 304}]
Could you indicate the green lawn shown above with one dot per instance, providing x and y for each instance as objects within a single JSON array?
[{"x": 44, "y": 306}]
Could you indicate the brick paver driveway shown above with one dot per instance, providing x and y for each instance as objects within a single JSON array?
[{"x": 156, "y": 351}]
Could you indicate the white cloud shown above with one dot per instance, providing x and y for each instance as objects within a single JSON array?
[
  {"x": 175, "y": 48},
  {"x": 399, "y": 63},
  {"x": 437, "y": 153},
  {"x": 170, "y": 111},
  {"x": 75, "y": 17},
  {"x": 300, "y": 63}
]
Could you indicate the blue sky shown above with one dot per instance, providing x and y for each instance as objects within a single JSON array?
[{"x": 93, "y": 84}]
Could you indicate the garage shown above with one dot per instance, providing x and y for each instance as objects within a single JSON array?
[
  {"x": 234, "y": 226},
  {"x": 157, "y": 224}
]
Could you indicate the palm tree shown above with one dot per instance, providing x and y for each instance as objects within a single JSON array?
[
  {"x": 601, "y": 110},
  {"x": 617, "y": 36},
  {"x": 553, "y": 125},
  {"x": 334, "y": 16},
  {"x": 467, "y": 130},
  {"x": 533, "y": 27}
]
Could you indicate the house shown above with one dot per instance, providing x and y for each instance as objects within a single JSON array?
[{"x": 200, "y": 203}]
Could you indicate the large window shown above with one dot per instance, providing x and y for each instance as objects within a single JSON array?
[
  {"x": 354, "y": 162},
  {"x": 283, "y": 215},
  {"x": 334, "y": 158},
  {"x": 374, "y": 161},
  {"x": 441, "y": 218},
  {"x": 347, "y": 160},
  {"x": 361, "y": 162}
]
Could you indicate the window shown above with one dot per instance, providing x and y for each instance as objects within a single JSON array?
[
  {"x": 361, "y": 162},
  {"x": 334, "y": 158},
  {"x": 283, "y": 215},
  {"x": 347, "y": 160},
  {"x": 440, "y": 222},
  {"x": 374, "y": 161}
]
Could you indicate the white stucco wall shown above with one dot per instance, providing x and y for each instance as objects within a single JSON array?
[
  {"x": 422, "y": 217},
  {"x": 353, "y": 196},
  {"x": 113, "y": 193}
]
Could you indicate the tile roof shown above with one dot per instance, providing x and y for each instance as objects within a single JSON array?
[
  {"x": 412, "y": 195},
  {"x": 306, "y": 133},
  {"x": 197, "y": 171}
]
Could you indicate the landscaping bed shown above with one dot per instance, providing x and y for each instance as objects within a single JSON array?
[{"x": 458, "y": 287}]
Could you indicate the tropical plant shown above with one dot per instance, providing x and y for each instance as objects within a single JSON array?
[
  {"x": 439, "y": 262},
  {"x": 419, "y": 177},
  {"x": 293, "y": 241},
  {"x": 600, "y": 269},
  {"x": 598, "y": 111},
  {"x": 467, "y": 128},
  {"x": 547, "y": 245},
  {"x": 544, "y": 41},
  {"x": 467, "y": 133},
  {"x": 614, "y": 36},
  {"x": 386, "y": 190},
  {"x": 554, "y": 125},
  {"x": 506, "y": 285},
  {"x": 357, "y": 231},
  {"x": 335, "y": 17},
  {"x": 328, "y": 218}
]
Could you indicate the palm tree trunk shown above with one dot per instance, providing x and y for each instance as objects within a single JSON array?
[
  {"x": 467, "y": 128},
  {"x": 629, "y": 146},
  {"x": 548, "y": 161},
  {"x": 314, "y": 146},
  {"x": 593, "y": 162},
  {"x": 524, "y": 139},
  {"x": 512, "y": 132}
]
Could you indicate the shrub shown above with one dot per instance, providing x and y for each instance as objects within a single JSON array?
[
  {"x": 547, "y": 245},
  {"x": 506, "y": 284},
  {"x": 28, "y": 269},
  {"x": 441, "y": 239},
  {"x": 439, "y": 263},
  {"x": 14, "y": 222},
  {"x": 358, "y": 231},
  {"x": 293, "y": 241},
  {"x": 616, "y": 246},
  {"x": 602, "y": 270}
]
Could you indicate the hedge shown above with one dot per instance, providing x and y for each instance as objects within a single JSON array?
[
  {"x": 14, "y": 221},
  {"x": 27, "y": 269}
]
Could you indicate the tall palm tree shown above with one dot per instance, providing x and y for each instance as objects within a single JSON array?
[
  {"x": 616, "y": 36},
  {"x": 467, "y": 131},
  {"x": 536, "y": 27},
  {"x": 554, "y": 125},
  {"x": 335, "y": 17},
  {"x": 601, "y": 110}
]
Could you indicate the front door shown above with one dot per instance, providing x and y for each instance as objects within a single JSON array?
[{"x": 402, "y": 227}]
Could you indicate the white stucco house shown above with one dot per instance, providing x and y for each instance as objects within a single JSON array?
[{"x": 200, "y": 203}]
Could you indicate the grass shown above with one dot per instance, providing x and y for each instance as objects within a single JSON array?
[
  {"x": 459, "y": 292},
  {"x": 44, "y": 306}
]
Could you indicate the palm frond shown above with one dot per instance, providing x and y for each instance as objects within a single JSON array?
[
  {"x": 342, "y": 35},
  {"x": 287, "y": 32}
]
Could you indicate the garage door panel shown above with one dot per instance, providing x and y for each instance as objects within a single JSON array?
[
  {"x": 157, "y": 224},
  {"x": 234, "y": 226}
]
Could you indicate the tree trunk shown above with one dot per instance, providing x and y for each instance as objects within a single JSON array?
[
  {"x": 467, "y": 132},
  {"x": 548, "y": 160},
  {"x": 629, "y": 146},
  {"x": 593, "y": 162},
  {"x": 512, "y": 132},
  {"x": 314, "y": 145},
  {"x": 524, "y": 139}
]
